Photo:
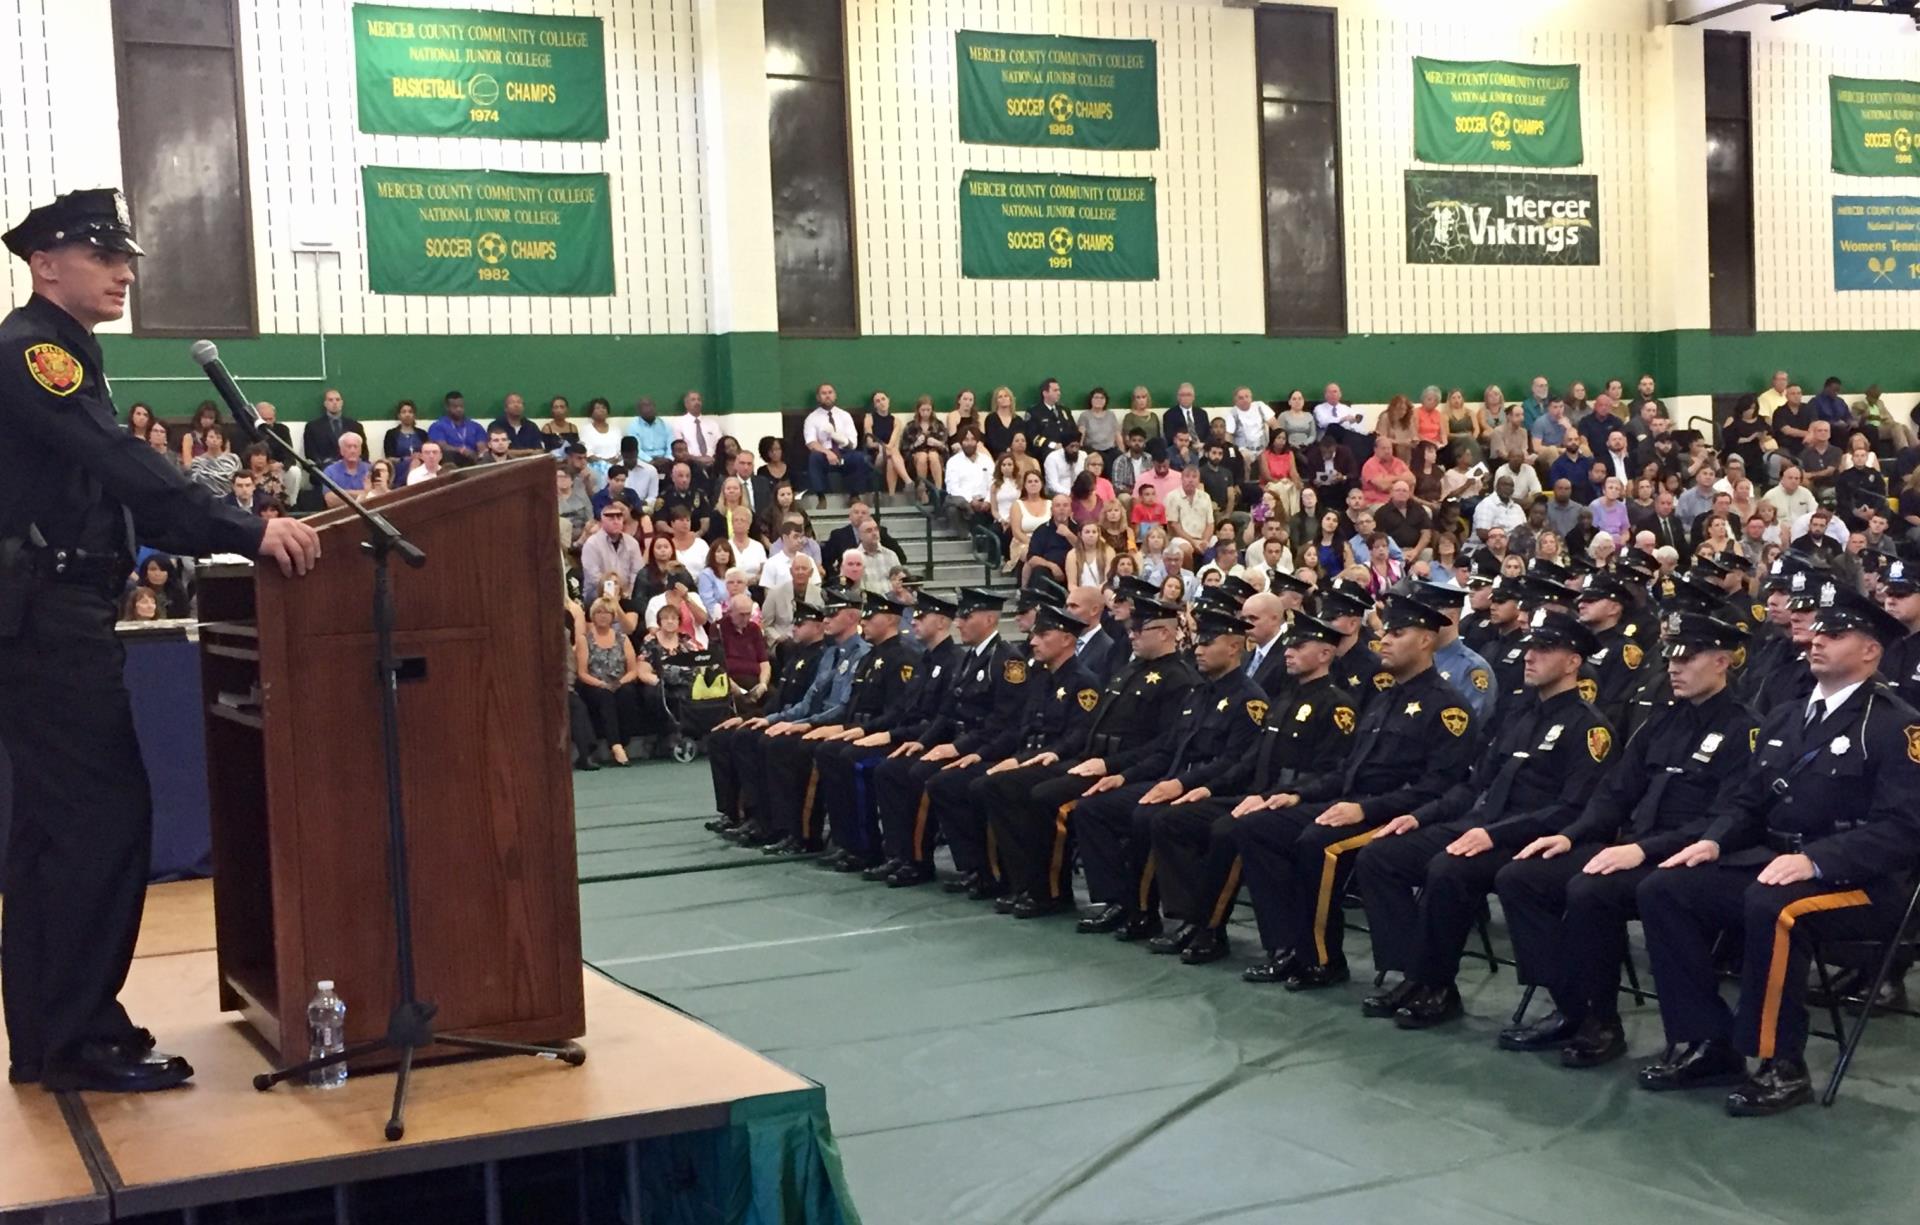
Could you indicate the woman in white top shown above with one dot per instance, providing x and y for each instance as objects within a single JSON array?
[
  {"x": 600, "y": 439},
  {"x": 1006, "y": 490},
  {"x": 1090, "y": 559},
  {"x": 1027, "y": 515},
  {"x": 749, "y": 554}
]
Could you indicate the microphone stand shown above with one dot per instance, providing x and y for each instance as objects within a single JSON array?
[{"x": 410, "y": 1024}]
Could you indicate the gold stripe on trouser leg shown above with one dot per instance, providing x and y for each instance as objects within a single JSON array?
[
  {"x": 920, "y": 830},
  {"x": 806, "y": 805},
  {"x": 1777, "y": 965},
  {"x": 993, "y": 853},
  {"x": 1059, "y": 848},
  {"x": 1146, "y": 881},
  {"x": 1324, "y": 902},
  {"x": 1225, "y": 900}
]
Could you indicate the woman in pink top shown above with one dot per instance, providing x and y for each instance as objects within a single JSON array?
[{"x": 1610, "y": 511}]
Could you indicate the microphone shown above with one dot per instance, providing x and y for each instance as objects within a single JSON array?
[{"x": 205, "y": 352}]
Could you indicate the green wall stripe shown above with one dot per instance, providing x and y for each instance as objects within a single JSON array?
[{"x": 760, "y": 371}]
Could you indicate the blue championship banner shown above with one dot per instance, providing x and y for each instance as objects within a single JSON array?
[{"x": 1876, "y": 242}]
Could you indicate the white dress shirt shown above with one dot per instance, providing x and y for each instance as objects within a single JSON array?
[
  {"x": 701, "y": 434},
  {"x": 831, "y": 427},
  {"x": 968, "y": 479},
  {"x": 1337, "y": 414},
  {"x": 1059, "y": 473}
]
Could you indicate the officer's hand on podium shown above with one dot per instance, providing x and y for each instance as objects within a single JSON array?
[
  {"x": 1111, "y": 782},
  {"x": 1473, "y": 842},
  {"x": 1346, "y": 812},
  {"x": 1405, "y": 823},
  {"x": 1787, "y": 870},
  {"x": 291, "y": 543},
  {"x": 1162, "y": 791},
  {"x": 1693, "y": 856},
  {"x": 1549, "y": 847},
  {"x": 1615, "y": 859},
  {"x": 1196, "y": 795},
  {"x": 1092, "y": 767}
]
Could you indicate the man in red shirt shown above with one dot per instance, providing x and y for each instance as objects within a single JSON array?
[
  {"x": 1378, "y": 474},
  {"x": 744, "y": 654}
]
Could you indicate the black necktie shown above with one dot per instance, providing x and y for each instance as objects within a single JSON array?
[{"x": 1815, "y": 714}]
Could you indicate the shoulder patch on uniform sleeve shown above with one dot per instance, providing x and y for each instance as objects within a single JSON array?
[
  {"x": 55, "y": 369},
  {"x": 1589, "y": 689},
  {"x": 1343, "y": 719},
  {"x": 1383, "y": 681},
  {"x": 1632, "y": 654},
  {"x": 1599, "y": 743},
  {"x": 1913, "y": 743},
  {"x": 1256, "y": 710},
  {"x": 1479, "y": 676},
  {"x": 1015, "y": 670},
  {"x": 1454, "y": 719},
  {"x": 1088, "y": 699},
  {"x": 1759, "y": 612}
]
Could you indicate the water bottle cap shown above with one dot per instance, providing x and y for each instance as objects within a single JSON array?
[{"x": 325, "y": 984}]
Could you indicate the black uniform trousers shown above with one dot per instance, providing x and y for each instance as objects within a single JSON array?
[
  {"x": 907, "y": 829},
  {"x": 845, "y": 789},
  {"x": 1683, "y": 909},
  {"x": 1569, "y": 929},
  {"x": 79, "y": 847},
  {"x": 1196, "y": 860},
  {"x": 1422, "y": 902},
  {"x": 723, "y": 762},
  {"x": 953, "y": 809},
  {"x": 785, "y": 787},
  {"x": 1032, "y": 833},
  {"x": 1296, "y": 873},
  {"x": 1115, "y": 834}
]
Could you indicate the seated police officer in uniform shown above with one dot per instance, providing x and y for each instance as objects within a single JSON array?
[
  {"x": 1344, "y": 604},
  {"x": 1426, "y": 875},
  {"x": 1113, "y": 820},
  {"x": 799, "y": 661},
  {"x": 1828, "y": 816},
  {"x": 880, "y": 678},
  {"x": 1568, "y": 896},
  {"x": 1789, "y": 671},
  {"x": 856, "y": 750},
  {"x": 1900, "y": 589},
  {"x": 1309, "y": 725},
  {"x": 1503, "y": 649},
  {"x": 1416, "y": 739},
  {"x": 77, "y": 494},
  {"x": 1606, "y": 603},
  {"x": 1458, "y": 664},
  {"x": 989, "y": 688},
  {"x": 1029, "y": 806}
]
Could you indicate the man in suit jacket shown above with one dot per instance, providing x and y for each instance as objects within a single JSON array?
[
  {"x": 847, "y": 536},
  {"x": 1185, "y": 415},
  {"x": 1668, "y": 527},
  {"x": 321, "y": 439},
  {"x": 1097, "y": 650},
  {"x": 1266, "y": 654}
]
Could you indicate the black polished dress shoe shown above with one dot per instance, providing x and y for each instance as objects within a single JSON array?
[
  {"x": 909, "y": 874},
  {"x": 788, "y": 845},
  {"x": 984, "y": 887},
  {"x": 962, "y": 883},
  {"x": 1700, "y": 1065},
  {"x": 1430, "y": 1006},
  {"x": 1383, "y": 1004},
  {"x": 1110, "y": 917},
  {"x": 755, "y": 835},
  {"x": 717, "y": 824},
  {"x": 113, "y": 1067},
  {"x": 1005, "y": 903},
  {"x": 1599, "y": 1040},
  {"x": 1040, "y": 907},
  {"x": 851, "y": 863},
  {"x": 1315, "y": 977},
  {"x": 1139, "y": 927},
  {"x": 1173, "y": 941},
  {"x": 881, "y": 871},
  {"x": 831, "y": 860},
  {"x": 1209, "y": 944},
  {"x": 1277, "y": 968},
  {"x": 1777, "y": 1085},
  {"x": 1553, "y": 1030}
]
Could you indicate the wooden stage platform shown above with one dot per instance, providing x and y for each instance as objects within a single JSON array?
[{"x": 650, "y": 1072}]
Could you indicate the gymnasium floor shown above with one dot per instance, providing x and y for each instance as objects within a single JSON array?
[{"x": 980, "y": 1069}]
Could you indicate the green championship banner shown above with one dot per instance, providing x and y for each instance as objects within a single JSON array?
[
  {"x": 487, "y": 232},
  {"x": 470, "y": 72},
  {"x": 1876, "y": 126},
  {"x": 1494, "y": 113},
  {"x": 1460, "y": 217},
  {"x": 1048, "y": 89},
  {"x": 1063, "y": 227}
]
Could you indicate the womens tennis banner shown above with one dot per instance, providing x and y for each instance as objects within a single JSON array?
[
  {"x": 470, "y": 72},
  {"x": 1462, "y": 217},
  {"x": 487, "y": 232},
  {"x": 1876, "y": 242},
  {"x": 1048, "y": 89},
  {"x": 1058, "y": 227},
  {"x": 1876, "y": 126},
  {"x": 1491, "y": 112}
]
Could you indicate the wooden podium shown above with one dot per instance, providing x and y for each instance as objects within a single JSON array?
[{"x": 296, "y": 777}]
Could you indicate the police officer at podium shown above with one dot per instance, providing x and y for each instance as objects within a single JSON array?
[{"x": 77, "y": 493}]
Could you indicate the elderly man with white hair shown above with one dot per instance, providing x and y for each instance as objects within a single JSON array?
[{"x": 776, "y": 609}]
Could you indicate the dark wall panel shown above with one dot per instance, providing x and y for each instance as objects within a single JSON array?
[
  {"x": 183, "y": 165},
  {"x": 1297, "y": 55},
  {"x": 1730, "y": 254},
  {"x": 815, "y": 274}
]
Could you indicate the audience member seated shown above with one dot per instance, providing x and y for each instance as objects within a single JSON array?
[
  {"x": 348, "y": 472},
  {"x": 743, "y": 649},
  {"x": 607, "y": 671},
  {"x": 798, "y": 583},
  {"x": 833, "y": 447}
]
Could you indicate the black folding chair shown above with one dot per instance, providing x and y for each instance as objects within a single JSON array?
[{"x": 1904, "y": 937}]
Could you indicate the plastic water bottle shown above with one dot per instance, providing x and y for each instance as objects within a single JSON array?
[{"x": 326, "y": 1035}]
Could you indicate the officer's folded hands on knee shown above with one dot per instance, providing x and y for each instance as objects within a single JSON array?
[
  {"x": 1693, "y": 856},
  {"x": 1548, "y": 847},
  {"x": 1346, "y": 812},
  {"x": 1405, "y": 823}
]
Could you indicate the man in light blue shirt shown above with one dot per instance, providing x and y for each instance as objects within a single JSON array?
[
  {"x": 654, "y": 435},
  {"x": 1457, "y": 663}
]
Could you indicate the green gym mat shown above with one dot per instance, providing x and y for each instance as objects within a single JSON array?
[{"x": 981, "y": 1069}]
